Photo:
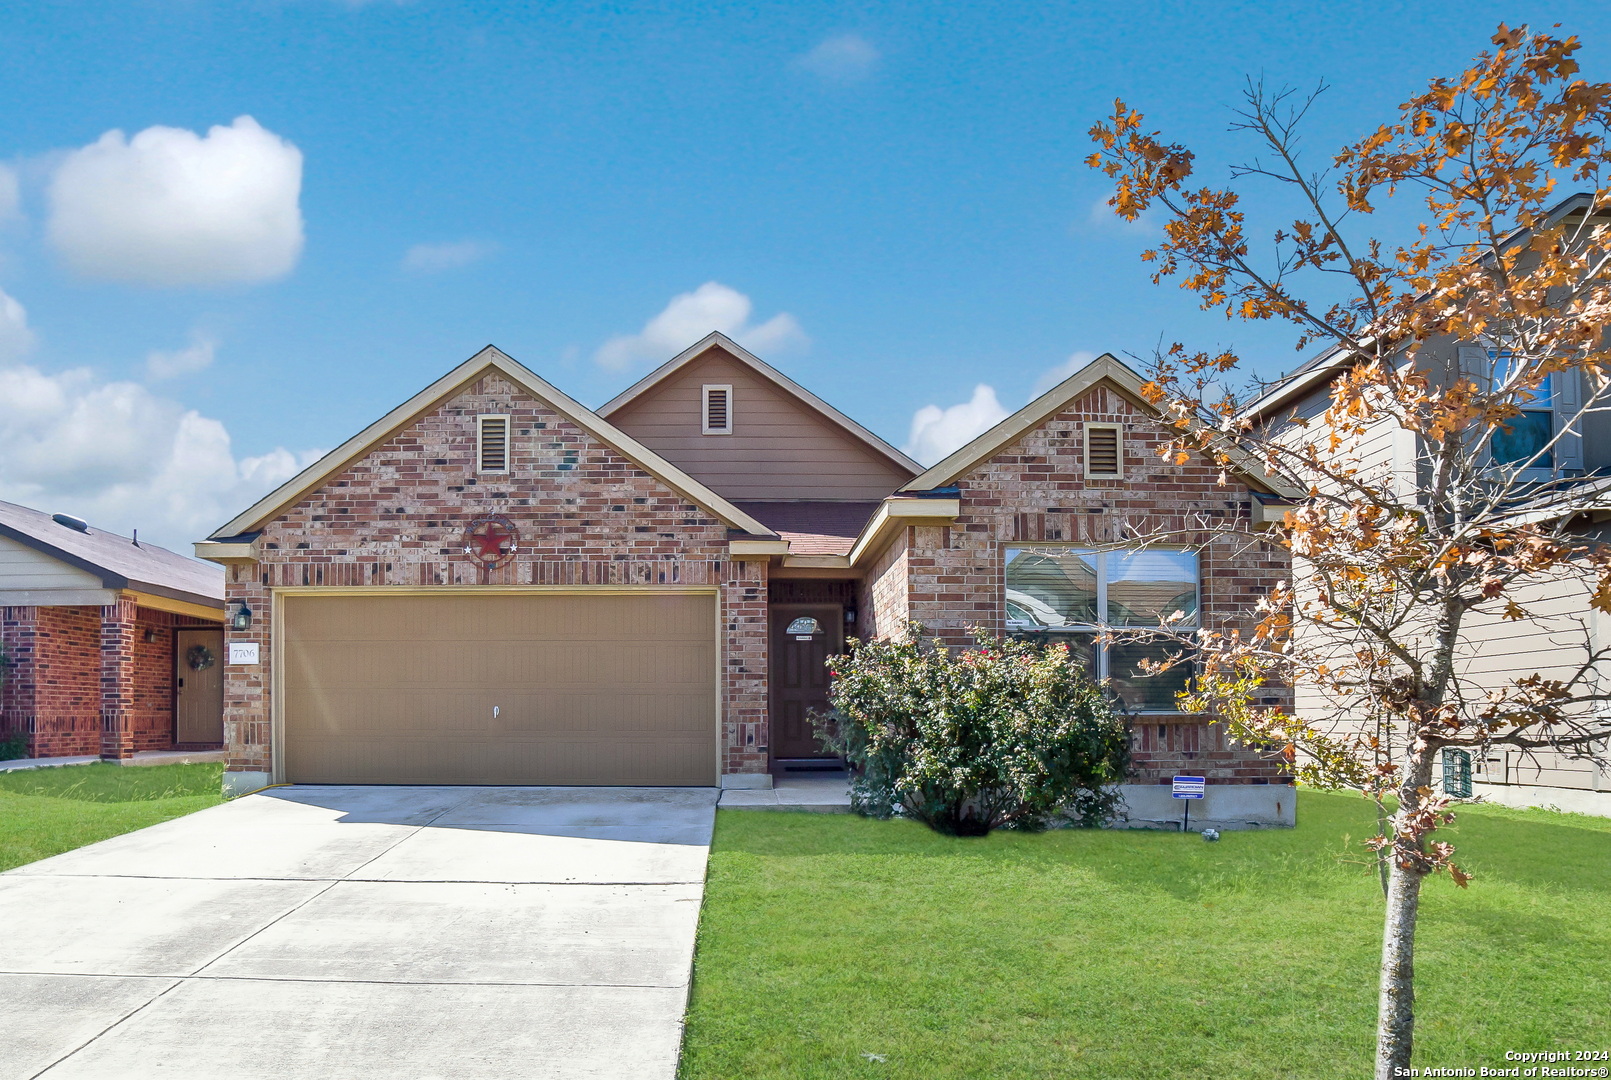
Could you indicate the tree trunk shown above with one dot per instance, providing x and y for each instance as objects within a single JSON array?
[
  {"x": 1395, "y": 1022},
  {"x": 1395, "y": 1017}
]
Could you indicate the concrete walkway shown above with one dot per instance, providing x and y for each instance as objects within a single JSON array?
[
  {"x": 398, "y": 932},
  {"x": 824, "y": 793}
]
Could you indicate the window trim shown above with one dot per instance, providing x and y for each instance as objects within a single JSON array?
[
  {"x": 1118, "y": 450},
  {"x": 704, "y": 408},
  {"x": 480, "y": 444},
  {"x": 1100, "y": 650},
  {"x": 1483, "y": 362}
]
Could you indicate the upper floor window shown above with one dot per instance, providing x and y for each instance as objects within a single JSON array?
[
  {"x": 492, "y": 444},
  {"x": 1074, "y": 595},
  {"x": 718, "y": 410},
  {"x": 1539, "y": 441}
]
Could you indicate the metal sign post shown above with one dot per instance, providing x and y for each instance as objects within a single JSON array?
[{"x": 1187, "y": 788}]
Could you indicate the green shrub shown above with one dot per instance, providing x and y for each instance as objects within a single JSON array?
[
  {"x": 13, "y": 745},
  {"x": 1007, "y": 734}
]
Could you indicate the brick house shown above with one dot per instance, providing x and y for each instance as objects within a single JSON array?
[
  {"x": 495, "y": 584},
  {"x": 112, "y": 647}
]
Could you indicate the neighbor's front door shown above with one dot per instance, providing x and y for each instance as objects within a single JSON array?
[
  {"x": 199, "y": 687},
  {"x": 803, "y": 637}
]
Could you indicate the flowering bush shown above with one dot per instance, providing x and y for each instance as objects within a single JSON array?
[{"x": 1005, "y": 734}]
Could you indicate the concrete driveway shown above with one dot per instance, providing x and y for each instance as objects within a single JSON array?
[{"x": 356, "y": 932}]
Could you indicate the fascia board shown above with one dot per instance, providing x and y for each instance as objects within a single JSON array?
[
  {"x": 896, "y": 513},
  {"x": 757, "y": 548},
  {"x": 214, "y": 551}
]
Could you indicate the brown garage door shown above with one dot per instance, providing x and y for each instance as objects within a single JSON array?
[{"x": 537, "y": 688}]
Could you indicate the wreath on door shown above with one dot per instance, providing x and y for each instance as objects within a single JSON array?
[{"x": 200, "y": 658}]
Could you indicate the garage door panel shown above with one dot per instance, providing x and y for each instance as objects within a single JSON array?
[
  {"x": 469, "y": 665},
  {"x": 392, "y": 712},
  {"x": 589, "y": 689}
]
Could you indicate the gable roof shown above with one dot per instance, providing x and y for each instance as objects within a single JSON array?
[
  {"x": 118, "y": 561},
  {"x": 488, "y": 359},
  {"x": 718, "y": 339},
  {"x": 1104, "y": 369}
]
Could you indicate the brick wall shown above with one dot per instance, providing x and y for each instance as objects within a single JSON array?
[
  {"x": 885, "y": 608},
  {"x": 586, "y": 516},
  {"x": 1034, "y": 490},
  {"x": 53, "y": 690}
]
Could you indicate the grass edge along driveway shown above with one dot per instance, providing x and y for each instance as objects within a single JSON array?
[
  {"x": 47, "y": 811},
  {"x": 832, "y": 946}
]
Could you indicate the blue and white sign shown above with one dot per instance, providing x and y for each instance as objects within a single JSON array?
[{"x": 1188, "y": 787}]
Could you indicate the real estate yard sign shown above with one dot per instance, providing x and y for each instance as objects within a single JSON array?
[{"x": 1187, "y": 787}]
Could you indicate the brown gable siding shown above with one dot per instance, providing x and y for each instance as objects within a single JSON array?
[
  {"x": 780, "y": 448},
  {"x": 586, "y": 516}
]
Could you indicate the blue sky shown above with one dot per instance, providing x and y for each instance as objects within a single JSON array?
[{"x": 896, "y": 192}]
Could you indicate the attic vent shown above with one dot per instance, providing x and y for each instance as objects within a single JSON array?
[
  {"x": 76, "y": 524},
  {"x": 718, "y": 410},
  {"x": 492, "y": 444},
  {"x": 1102, "y": 450}
]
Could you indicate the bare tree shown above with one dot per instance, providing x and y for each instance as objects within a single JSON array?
[{"x": 1444, "y": 343}]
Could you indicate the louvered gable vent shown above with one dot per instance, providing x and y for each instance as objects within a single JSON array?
[
  {"x": 1101, "y": 451},
  {"x": 718, "y": 418},
  {"x": 493, "y": 443}
]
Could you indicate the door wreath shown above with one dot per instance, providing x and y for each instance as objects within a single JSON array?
[{"x": 200, "y": 658}]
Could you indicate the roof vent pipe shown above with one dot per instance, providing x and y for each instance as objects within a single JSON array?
[{"x": 76, "y": 524}]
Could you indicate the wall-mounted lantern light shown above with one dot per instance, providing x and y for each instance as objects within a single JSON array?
[{"x": 242, "y": 619}]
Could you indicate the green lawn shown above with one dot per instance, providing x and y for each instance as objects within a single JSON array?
[
  {"x": 45, "y": 812},
  {"x": 825, "y": 938}
]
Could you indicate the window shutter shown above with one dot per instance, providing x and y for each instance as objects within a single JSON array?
[
  {"x": 492, "y": 443},
  {"x": 718, "y": 418},
  {"x": 1568, "y": 387},
  {"x": 1476, "y": 364},
  {"x": 1102, "y": 451}
]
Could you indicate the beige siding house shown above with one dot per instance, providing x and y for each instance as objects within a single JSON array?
[{"x": 1562, "y": 631}]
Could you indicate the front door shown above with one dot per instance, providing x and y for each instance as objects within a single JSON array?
[
  {"x": 803, "y": 637},
  {"x": 199, "y": 687}
]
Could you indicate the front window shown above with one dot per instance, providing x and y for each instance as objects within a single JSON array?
[
  {"x": 1074, "y": 595},
  {"x": 1527, "y": 441}
]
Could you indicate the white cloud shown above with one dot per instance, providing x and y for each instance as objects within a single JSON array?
[
  {"x": 197, "y": 356},
  {"x": 692, "y": 315},
  {"x": 432, "y": 258},
  {"x": 169, "y": 207},
  {"x": 1052, "y": 376},
  {"x": 936, "y": 431},
  {"x": 15, "y": 336},
  {"x": 123, "y": 458},
  {"x": 10, "y": 194},
  {"x": 843, "y": 58}
]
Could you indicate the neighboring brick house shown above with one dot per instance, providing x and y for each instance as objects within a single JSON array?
[
  {"x": 112, "y": 647},
  {"x": 494, "y": 584}
]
